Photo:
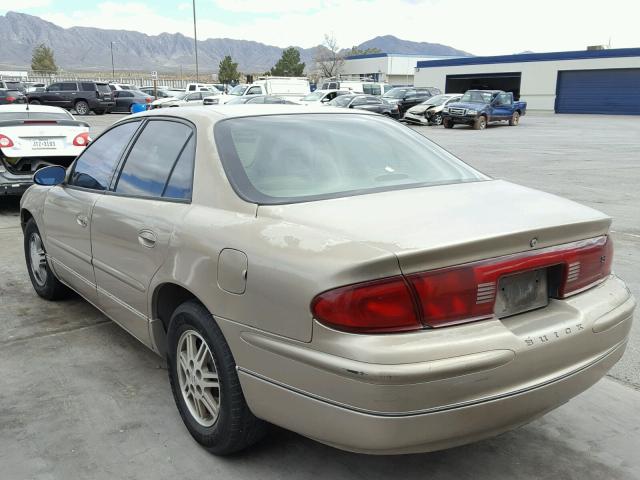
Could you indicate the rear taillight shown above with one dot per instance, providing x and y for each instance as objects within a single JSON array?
[
  {"x": 81, "y": 140},
  {"x": 149, "y": 99},
  {"x": 11, "y": 99},
  {"x": 372, "y": 307},
  {"x": 5, "y": 142},
  {"x": 460, "y": 294}
]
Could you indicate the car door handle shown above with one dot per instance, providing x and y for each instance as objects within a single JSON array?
[
  {"x": 147, "y": 238},
  {"x": 82, "y": 220}
]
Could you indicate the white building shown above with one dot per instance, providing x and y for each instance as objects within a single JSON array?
[
  {"x": 588, "y": 81},
  {"x": 395, "y": 69}
]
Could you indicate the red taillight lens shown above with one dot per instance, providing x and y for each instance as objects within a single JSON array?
[
  {"x": 149, "y": 99},
  {"x": 5, "y": 142},
  {"x": 460, "y": 294},
  {"x": 11, "y": 99},
  {"x": 371, "y": 307},
  {"x": 81, "y": 140},
  {"x": 587, "y": 266},
  {"x": 466, "y": 293}
]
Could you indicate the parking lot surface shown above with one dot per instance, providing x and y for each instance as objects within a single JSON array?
[{"x": 82, "y": 399}]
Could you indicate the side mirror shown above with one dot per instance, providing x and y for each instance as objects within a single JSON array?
[
  {"x": 49, "y": 176},
  {"x": 325, "y": 100}
]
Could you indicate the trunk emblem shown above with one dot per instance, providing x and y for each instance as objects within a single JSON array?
[{"x": 533, "y": 242}]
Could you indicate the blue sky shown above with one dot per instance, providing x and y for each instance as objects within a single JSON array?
[{"x": 507, "y": 26}]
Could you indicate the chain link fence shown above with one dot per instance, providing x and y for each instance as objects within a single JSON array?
[{"x": 137, "y": 79}]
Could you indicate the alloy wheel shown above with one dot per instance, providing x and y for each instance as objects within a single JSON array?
[
  {"x": 38, "y": 259},
  {"x": 198, "y": 378}
]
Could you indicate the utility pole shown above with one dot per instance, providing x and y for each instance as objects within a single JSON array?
[
  {"x": 195, "y": 39},
  {"x": 113, "y": 68}
]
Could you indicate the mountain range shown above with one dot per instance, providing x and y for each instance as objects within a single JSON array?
[{"x": 89, "y": 49}]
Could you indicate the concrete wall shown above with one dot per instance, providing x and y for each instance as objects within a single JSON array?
[
  {"x": 391, "y": 68},
  {"x": 538, "y": 87}
]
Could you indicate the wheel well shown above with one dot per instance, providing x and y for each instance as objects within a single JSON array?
[
  {"x": 80, "y": 100},
  {"x": 519, "y": 112},
  {"x": 166, "y": 299},
  {"x": 25, "y": 216}
]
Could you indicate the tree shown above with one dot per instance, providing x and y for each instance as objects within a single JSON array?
[
  {"x": 328, "y": 57},
  {"x": 42, "y": 59},
  {"x": 289, "y": 65},
  {"x": 228, "y": 70},
  {"x": 358, "y": 51}
]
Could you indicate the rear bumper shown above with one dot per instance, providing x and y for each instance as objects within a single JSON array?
[
  {"x": 436, "y": 388},
  {"x": 363, "y": 432},
  {"x": 14, "y": 184}
]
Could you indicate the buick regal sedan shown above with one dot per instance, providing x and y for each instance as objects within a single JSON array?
[{"x": 362, "y": 287}]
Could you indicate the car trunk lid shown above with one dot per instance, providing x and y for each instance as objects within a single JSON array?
[{"x": 440, "y": 226}]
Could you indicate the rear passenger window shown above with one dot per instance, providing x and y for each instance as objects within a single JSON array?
[
  {"x": 151, "y": 161},
  {"x": 88, "y": 87},
  {"x": 69, "y": 87},
  {"x": 95, "y": 167},
  {"x": 181, "y": 179}
]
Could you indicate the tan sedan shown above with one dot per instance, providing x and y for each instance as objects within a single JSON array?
[{"x": 331, "y": 272}]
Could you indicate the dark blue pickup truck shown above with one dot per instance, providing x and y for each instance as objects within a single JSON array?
[{"x": 478, "y": 108}]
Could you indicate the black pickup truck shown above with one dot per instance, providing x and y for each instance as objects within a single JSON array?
[{"x": 83, "y": 97}]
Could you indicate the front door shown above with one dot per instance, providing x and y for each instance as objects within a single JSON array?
[
  {"x": 68, "y": 209},
  {"x": 131, "y": 225}
]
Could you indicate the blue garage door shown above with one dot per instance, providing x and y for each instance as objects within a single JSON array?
[{"x": 615, "y": 91}]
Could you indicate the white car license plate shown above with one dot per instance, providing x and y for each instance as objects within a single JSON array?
[
  {"x": 44, "y": 144},
  {"x": 521, "y": 292}
]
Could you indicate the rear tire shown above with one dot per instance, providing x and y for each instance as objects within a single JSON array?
[
  {"x": 34, "y": 102},
  {"x": 205, "y": 383},
  {"x": 515, "y": 119},
  {"x": 480, "y": 123},
  {"x": 99, "y": 112},
  {"x": 447, "y": 123},
  {"x": 42, "y": 278},
  {"x": 81, "y": 107}
]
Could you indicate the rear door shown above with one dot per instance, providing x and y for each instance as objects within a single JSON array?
[
  {"x": 132, "y": 224},
  {"x": 502, "y": 108},
  {"x": 68, "y": 208}
]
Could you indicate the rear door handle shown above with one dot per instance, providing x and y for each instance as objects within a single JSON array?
[
  {"x": 147, "y": 238},
  {"x": 82, "y": 220}
]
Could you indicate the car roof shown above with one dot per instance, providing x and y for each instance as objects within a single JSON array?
[
  {"x": 31, "y": 108},
  {"x": 215, "y": 113}
]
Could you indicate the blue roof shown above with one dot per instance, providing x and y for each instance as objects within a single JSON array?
[
  {"x": 380, "y": 55},
  {"x": 532, "y": 57}
]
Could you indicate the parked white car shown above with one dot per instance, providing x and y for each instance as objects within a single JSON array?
[
  {"x": 180, "y": 100},
  {"x": 356, "y": 86},
  {"x": 429, "y": 112},
  {"x": 36, "y": 136},
  {"x": 319, "y": 97},
  {"x": 291, "y": 87},
  {"x": 122, "y": 86}
]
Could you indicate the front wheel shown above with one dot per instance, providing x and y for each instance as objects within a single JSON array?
[
  {"x": 480, "y": 123},
  {"x": 448, "y": 123},
  {"x": 205, "y": 383},
  {"x": 436, "y": 119},
  {"x": 515, "y": 119},
  {"x": 34, "y": 102},
  {"x": 42, "y": 278}
]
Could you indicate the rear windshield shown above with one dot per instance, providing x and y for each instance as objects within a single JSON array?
[
  {"x": 103, "y": 88},
  {"x": 278, "y": 159},
  {"x": 5, "y": 116}
]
